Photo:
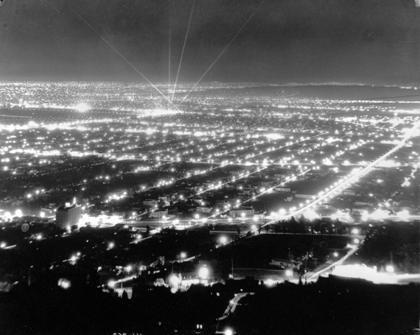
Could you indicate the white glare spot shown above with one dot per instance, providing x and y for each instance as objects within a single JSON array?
[{"x": 82, "y": 107}]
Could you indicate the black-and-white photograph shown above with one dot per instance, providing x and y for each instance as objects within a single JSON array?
[{"x": 209, "y": 167}]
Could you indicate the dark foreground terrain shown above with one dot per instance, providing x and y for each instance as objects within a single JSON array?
[{"x": 331, "y": 306}]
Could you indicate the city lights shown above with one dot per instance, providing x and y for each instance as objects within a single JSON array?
[{"x": 224, "y": 182}]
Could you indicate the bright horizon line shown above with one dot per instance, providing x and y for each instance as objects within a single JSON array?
[{"x": 406, "y": 86}]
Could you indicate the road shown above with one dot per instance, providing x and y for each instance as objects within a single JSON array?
[
  {"x": 352, "y": 177},
  {"x": 313, "y": 276}
]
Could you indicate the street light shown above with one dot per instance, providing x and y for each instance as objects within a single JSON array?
[
  {"x": 228, "y": 331},
  {"x": 111, "y": 283},
  {"x": 174, "y": 280},
  {"x": 64, "y": 283},
  {"x": 269, "y": 282},
  {"x": 203, "y": 272},
  {"x": 223, "y": 240}
]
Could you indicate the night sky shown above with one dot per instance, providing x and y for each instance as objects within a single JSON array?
[{"x": 285, "y": 41}]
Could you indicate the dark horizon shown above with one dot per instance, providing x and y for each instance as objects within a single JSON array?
[{"x": 367, "y": 41}]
